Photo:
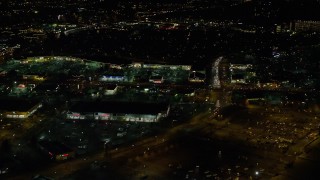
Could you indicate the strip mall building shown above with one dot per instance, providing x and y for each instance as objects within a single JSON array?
[
  {"x": 122, "y": 111},
  {"x": 18, "y": 108}
]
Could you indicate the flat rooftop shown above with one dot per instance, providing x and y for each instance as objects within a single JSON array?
[
  {"x": 110, "y": 86},
  {"x": 21, "y": 105},
  {"x": 119, "y": 107}
]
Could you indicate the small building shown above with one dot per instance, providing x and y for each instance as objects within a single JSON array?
[
  {"x": 56, "y": 150},
  {"x": 122, "y": 111},
  {"x": 241, "y": 73},
  {"x": 18, "y": 108},
  {"x": 33, "y": 77},
  {"x": 110, "y": 89},
  {"x": 137, "y": 65},
  {"x": 303, "y": 26},
  {"x": 156, "y": 79},
  {"x": 197, "y": 77}
]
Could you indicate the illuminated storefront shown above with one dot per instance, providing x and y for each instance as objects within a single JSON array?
[{"x": 122, "y": 111}]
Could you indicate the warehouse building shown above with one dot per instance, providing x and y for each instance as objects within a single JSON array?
[
  {"x": 122, "y": 111},
  {"x": 18, "y": 108}
]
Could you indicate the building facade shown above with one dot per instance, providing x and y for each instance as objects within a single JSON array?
[{"x": 120, "y": 111}]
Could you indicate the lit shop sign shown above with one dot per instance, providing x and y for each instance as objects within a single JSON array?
[
  {"x": 75, "y": 116},
  {"x": 103, "y": 114},
  {"x": 112, "y": 78}
]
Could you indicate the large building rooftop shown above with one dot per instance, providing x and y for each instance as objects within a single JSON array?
[{"x": 21, "y": 105}]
